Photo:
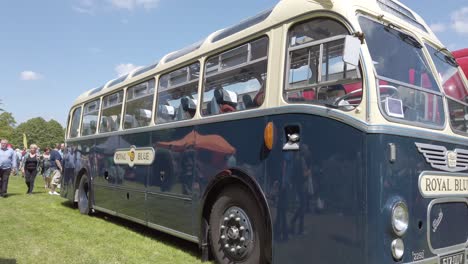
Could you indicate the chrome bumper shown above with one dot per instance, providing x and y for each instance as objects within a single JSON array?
[{"x": 436, "y": 259}]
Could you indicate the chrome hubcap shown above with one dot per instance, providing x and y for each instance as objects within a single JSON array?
[{"x": 236, "y": 235}]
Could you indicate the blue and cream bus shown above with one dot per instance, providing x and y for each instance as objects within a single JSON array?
[{"x": 315, "y": 132}]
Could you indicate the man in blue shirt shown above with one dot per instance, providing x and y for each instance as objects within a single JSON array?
[{"x": 7, "y": 163}]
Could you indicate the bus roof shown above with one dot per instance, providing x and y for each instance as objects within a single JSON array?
[{"x": 283, "y": 11}]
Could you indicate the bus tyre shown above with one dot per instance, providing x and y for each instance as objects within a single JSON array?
[
  {"x": 237, "y": 229},
  {"x": 83, "y": 196}
]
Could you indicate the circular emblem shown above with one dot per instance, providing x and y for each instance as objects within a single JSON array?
[{"x": 131, "y": 155}]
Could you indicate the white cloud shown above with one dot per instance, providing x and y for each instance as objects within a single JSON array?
[
  {"x": 85, "y": 6},
  {"x": 30, "y": 76},
  {"x": 438, "y": 27},
  {"x": 123, "y": 68},
  {"x": 133, "y": 4},
  {"x": 460, "y": 20}
]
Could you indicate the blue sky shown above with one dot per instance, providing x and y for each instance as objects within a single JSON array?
[{"x": 52, "y": 51}]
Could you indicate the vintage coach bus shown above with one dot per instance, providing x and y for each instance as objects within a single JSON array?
[{"x": 315, "y": 132}]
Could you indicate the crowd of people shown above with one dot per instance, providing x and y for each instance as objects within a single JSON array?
[{"x": 29, "y": 163}]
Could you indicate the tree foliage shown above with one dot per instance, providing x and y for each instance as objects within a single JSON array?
[
  {"x": 38, "y": 131},
  {"x": 7, "y": 123}
]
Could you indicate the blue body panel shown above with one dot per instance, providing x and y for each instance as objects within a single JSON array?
[{"x": 327, "y": 202}]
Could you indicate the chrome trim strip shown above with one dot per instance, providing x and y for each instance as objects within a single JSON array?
[
  {"x": 116, "y": 187},
  {"x": 445, "y": 250},
  {"x": 130, "y": 218},
  {"x": 170, "y": 196},
  {"x": 391, "y": 129},
  {"x": 416, "y": 132},
  {"x": 441, "y": 173},
  {"x": 104, "y": 210},
  {"x": 174, "y": 232}
]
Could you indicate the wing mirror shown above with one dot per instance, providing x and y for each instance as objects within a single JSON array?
[{"x": 352, "y": 50}]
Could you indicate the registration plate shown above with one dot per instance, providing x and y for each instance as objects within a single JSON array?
[{"x": 456, "y": 258}]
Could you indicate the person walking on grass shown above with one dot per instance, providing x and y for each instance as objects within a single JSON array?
[
  {"x": 7, "y": 164},
  {"x": 45, "y": 168},
  {"x": 56, "y": 169},
  {"x": 30, "y": 167}
]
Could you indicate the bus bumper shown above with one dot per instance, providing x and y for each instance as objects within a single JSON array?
[{"x": 440, "y": 259}]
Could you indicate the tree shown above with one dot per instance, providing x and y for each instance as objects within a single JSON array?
[
  {"x": 39, "y": 132},
  {"x": 7, "y": 123},
  {"x": 1, "y": 109}
]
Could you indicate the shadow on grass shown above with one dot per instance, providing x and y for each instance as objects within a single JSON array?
[
  {"x": 7, "y": 261},
  {"x": 175, "y": 242}
]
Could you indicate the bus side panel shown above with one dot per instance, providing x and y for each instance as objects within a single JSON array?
[
  {"x": 169, "y": 186},
  {"x": 228, "y": 145},
  {"x": 317, "y": 193}
]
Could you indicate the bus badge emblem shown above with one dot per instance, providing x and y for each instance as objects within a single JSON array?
[
  {"x": 447, "y": 160},
  {"x": 131, "y": 154},
  {"x": 437, "y": 221},
  {"x": 452, "y": 159},
  {"x": 134, "y": 156}
]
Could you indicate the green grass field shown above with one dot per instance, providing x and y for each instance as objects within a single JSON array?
[{"x": 42, "y": 228}]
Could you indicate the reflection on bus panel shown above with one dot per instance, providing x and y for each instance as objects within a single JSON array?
[{"x": 330, "y": 131}]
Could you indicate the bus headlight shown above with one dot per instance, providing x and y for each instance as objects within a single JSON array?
[
  {"x": 400, "y": 218},
  {"x": 398, "y": 248}
]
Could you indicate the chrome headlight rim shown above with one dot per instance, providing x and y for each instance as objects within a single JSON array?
[
  {"x": 398, "y": 249},
  {"x": 399, "y": 204}
]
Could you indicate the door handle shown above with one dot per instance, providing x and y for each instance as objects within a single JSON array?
[
  {"x": 293, "y": 142},
  {"x": 292, "y": 134}
]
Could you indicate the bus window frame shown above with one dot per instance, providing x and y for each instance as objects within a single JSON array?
[
  {"x": 158, "y": 77},
  {"x": 99, "y": 104},
  {"x": 360, "y": 68},
  {"x": 72, "y": 111},
  {"x": 124, "y": 106},
  {"x": 124, "y": 90},
  {"x": 377, "y": 77},
  {"x": 218, "y": 52},
  {"x": 438, "y": 79}
]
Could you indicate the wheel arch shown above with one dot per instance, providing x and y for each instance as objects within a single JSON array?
[
  {"x": 76, "y": 186},
  {"x": 216, "y": 186}
]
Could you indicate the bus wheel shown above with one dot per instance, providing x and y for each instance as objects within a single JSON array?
[
  {"x": 83, "y": 196},
  {"x": 237, "y": 229}
]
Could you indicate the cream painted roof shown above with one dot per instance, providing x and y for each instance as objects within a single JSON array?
[{"x": 283, "y": 11}]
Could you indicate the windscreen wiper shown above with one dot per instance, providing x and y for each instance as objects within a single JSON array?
[
  {"x": 440, "y": 54},
  {"x": 391, "y": 28},
  {"x": 410, "y": 40}
]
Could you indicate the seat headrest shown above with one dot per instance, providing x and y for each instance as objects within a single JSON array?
[
  {"x": 167, "y": 110},
  {"x": 188, "y": 103},
  {"x": 225, "y": 96}
]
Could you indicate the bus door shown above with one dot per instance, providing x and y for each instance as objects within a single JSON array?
[
  {"x": 169, "y": 201},
  {"x": 130, "y": 187},
  {"x": 107, "y": 173}
]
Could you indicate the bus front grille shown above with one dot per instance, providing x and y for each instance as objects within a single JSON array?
[{"x": 448, "y": 224}]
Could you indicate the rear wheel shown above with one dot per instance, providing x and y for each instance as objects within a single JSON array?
[
  {"x": 84, "y": 204},
  {"x": 237, "y": 229}
]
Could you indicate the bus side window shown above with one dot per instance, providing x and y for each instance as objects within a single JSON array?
[
  {"x": 111, "y": 112},
  {"x": 90, "y": 117},
  {"x": 235, "y": 79},
  {"x": 316, "y": 72},
  {"x": 139, "y": 105},
  {"x": 75, "y": 123},
  {"x": 178, "y": 94}
]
